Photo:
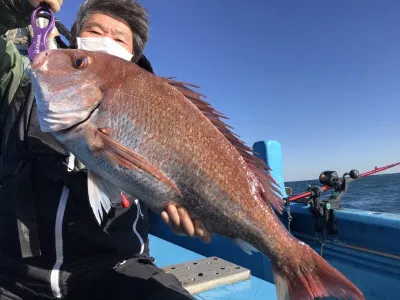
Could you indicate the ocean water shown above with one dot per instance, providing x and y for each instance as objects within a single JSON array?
[{"x": 380, "y": 193}]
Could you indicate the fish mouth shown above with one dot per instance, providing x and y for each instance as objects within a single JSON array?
[
  {"x": 40, "y": 61},
  {"x": 29, "y": 70},
  {"x": 63, "y": 123},
  {"x": 51, "y": 120}
]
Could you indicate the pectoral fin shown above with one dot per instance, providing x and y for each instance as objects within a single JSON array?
[
  {"x": 102, "y": 195},
  {"x": 103, "y": 144}
]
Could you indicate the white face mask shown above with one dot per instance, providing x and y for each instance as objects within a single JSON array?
[{"x": 103, "y": 44}]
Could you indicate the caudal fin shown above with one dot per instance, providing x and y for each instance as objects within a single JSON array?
[{"x": 310, "y": 277}]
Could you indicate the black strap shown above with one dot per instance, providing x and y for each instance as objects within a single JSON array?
[
  {"x": 20, "y": 191},
  {"x": 9, "y": 168}
]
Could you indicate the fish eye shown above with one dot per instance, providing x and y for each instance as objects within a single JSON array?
[{"x": 81, "y": 63}]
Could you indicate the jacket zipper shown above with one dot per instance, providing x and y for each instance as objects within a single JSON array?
[
  {"x": 138, "y": 214},
  {"x": 55, "y": 272}
]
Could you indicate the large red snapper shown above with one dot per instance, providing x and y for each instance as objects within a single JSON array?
[{"x": 157, "y": 140}]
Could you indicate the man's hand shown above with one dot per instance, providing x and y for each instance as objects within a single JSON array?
[
  {"x": 180, "y": 223},
  {"x": 55, "y": 5}
]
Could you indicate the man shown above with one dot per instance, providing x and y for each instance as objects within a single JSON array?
[{"x": 51, "y": 245}]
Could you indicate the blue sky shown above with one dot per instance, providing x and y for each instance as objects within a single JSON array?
[{"x": 321, "y": 77}]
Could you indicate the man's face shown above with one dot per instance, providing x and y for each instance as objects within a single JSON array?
[{"x": 100, "y": 25}]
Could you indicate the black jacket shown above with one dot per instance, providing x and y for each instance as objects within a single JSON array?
[
  {"x": 49, "y": 237},
  {"x": 46, "y": 222}
]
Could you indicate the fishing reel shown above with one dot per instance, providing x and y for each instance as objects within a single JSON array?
[
  {"x": 323, "y": 210},
  {"x": 332, "y": 179}
]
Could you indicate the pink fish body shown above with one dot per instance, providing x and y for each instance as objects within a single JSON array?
[{"x": 155, "y": 139}]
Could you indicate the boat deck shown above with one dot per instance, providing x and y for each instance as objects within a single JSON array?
[{"x": 167, "y": 254}]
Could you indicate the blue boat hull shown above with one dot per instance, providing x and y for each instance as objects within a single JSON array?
[{"x": 366, "y": 248}]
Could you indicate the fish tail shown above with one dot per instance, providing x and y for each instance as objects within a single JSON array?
[{"x": 310, "y": 277}]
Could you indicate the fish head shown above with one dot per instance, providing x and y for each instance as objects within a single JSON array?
[{"x": 69, "y": 85}]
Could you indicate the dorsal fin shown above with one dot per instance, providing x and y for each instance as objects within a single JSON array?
[{"x": 267, "y": 184}]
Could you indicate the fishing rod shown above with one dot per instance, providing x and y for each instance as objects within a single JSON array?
[
  {"x": 330, "y": 180},
  {"x": 323, "y": 210}
]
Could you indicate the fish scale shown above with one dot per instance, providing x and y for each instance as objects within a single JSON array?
[{"x": 157, "y": 140}]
